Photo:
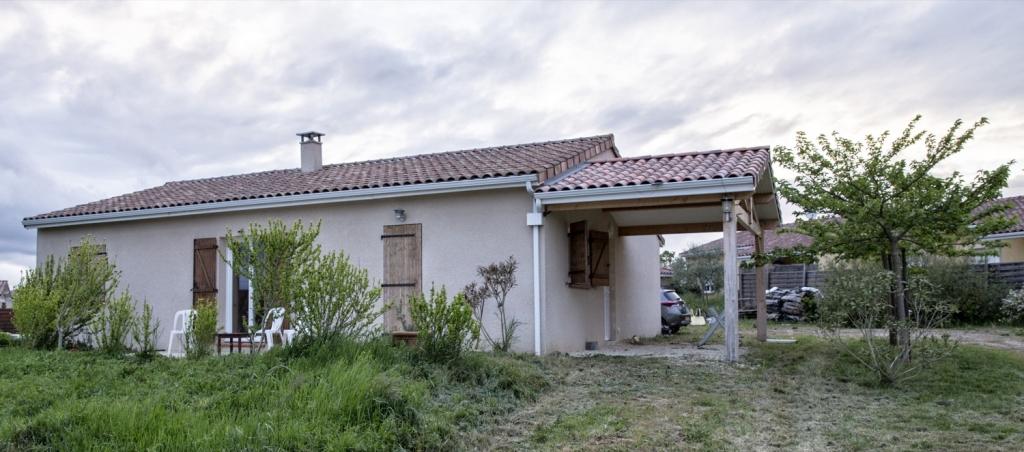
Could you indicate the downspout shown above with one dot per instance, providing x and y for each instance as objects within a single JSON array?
[{"x": 535, "y": 220}]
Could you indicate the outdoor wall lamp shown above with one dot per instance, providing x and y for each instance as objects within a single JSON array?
[
  {"x": 400, "y": 215},
  {"x": 727, "y": 209}
]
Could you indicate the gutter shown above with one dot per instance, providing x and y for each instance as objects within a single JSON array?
[
  {"x": 1004, "y": 236},
  {"x": 363, "y": 194},
  {"x": 535, "y": 220},
  {"x": 688, "y": 188}
]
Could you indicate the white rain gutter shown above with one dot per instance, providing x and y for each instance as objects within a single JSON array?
[
  {"x": 1004, "y": 236},
  {"x": 363, "y": 194},
  {"x": 535, "y": 220},
  {"x": 688, "y": 188}
]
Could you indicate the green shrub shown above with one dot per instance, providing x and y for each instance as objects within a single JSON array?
[
  {"x": 7, "y": 340},
  {"x": 58, "y": 300},
  {"x": 112, "y": 325},
  {"x": 976, "y": 300},
  {"x": 35, "y": 305},
  {"x": 202, "y": 330},
  {"x": 446, "y": 328},
  {"x": 1013, "y": 307},
  {"x": 336, "y": 298},
  {"x": 145, "y": 330}
]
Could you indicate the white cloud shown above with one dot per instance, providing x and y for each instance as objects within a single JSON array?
[{"x": 103, "y": 99}]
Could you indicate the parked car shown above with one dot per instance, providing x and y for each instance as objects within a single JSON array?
[{"x": 675, "y": 313}]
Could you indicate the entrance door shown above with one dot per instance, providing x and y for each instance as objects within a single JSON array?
[
  {"x": 403, "y": 247},
  {"x": 204, "y": 269}
]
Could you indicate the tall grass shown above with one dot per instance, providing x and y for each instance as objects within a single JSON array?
[{"x": 336, "y": 396}]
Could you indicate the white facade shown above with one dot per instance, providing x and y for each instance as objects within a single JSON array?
[{"x": 460, "y": 231}]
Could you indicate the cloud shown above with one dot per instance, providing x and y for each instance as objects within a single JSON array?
[{"x": 105, "y": 99}]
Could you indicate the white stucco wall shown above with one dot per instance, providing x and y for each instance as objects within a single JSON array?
[
  {"x": 637, "y": 287},
  {"x": 460, "y": 232}
]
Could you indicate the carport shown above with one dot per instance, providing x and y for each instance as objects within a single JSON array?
[{"x": 680, "y": 193}]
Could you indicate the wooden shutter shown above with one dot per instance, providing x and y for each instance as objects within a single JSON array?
[
  {"x": 578, "y": 255},
  {"x": 204, "y": 269},
  {"x": 599, "y": 262},
  {"x": 403, "y": 268}
]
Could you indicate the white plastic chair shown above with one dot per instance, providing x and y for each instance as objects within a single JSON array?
[
  {"x": 184, "y": 318},
  {"x": 275, "y": 317}
]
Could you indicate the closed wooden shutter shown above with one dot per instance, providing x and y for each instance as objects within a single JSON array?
[
  {"x": 204, "y": 269},
  {"x": 578, "y": 255},
  {"x": 403, "y": 270},
  {"x": 599, "y": 262}
]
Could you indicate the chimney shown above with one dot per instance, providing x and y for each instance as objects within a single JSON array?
[{"x": 310, "y": 146}]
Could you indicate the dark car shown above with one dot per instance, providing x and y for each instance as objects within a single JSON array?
[{"x": 674, "y": 312}]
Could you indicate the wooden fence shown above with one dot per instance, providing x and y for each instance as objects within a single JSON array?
[
  {"x": 7, "y": 321},
  {"x": 796, "y": 276}
]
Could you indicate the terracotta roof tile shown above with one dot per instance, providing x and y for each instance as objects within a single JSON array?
[
  {"x": 664, "y": 168},
  {"x": 1015, "y": 212},
  {"x": 533, "y": 158},
  {"x": 773, "y": 240}
]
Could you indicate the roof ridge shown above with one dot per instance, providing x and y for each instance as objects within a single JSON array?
[{"x": 684, "y": 154}]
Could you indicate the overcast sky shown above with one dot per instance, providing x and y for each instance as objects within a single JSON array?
[{"x": 101, "y": 99}]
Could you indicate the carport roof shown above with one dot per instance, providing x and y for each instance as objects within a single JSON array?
[{"x": 659, "y": 169}]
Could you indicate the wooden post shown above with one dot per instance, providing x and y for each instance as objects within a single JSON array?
[
  {"x": 759, "y": 280},
  {"x": 732, "y": 317}
]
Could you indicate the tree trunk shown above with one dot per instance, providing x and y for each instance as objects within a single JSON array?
[
  {"x": 903, "y": 336},
  {"x": 887, "y": 266}
]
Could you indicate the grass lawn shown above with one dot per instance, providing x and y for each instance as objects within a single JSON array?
[{"x": 803, "y": 396}]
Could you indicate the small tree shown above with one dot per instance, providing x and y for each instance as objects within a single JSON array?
[
  {"x": 667, "y": 257},
  {"x": 272, "y": 258},
  {"x": 878, "y": 205},
  {"x": 144, "y": 333},
  {"x": 202, "y": 329},
  {"x": 698, "y": 268},
  {"x": 59, "y": 299},
  {"x": 113, "y": 324},
  {"x": 498, "y": 280},
  {"x": 336, "y": 298}
]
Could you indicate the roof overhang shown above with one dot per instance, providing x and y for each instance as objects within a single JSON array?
[
  {"x": 743, "y": 184},
  {"x": 364, "y": 194},
  {"x": 1005, "y": 236}
]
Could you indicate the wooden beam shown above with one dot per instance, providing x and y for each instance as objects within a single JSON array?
[
  {"x": 732, "y": 279},
  {"x": 667, "y": 206},
  {"x": 759, "y": 288},
  {"x": 745, "y": 220},
  {"x": 638, "y": 202},
  {"x": 681, "y": 228}
]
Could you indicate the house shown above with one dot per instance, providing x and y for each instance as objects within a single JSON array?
[
  {"x": 6, "y": 302},
  {"x": 773, "y": 240},
  {"x": 1012, "y": 237},
  {"x": 582, "y": 221}
]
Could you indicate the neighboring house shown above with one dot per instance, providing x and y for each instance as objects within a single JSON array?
[
  {"x": 773, "y": 240},
  {"x": 1012, "y": 237},
  {"x": 6, "y": 302},
  {"x": 666, "y": 278},
  {"x": 582, "y": 222}
]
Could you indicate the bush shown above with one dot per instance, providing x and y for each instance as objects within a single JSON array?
[
  {"x": 7, "y": 340},
  {"x": 336, "y": 298},
  {"x": 976, "y": 300},
  {"x": 58, "y": 300},
  {"x": 498, "y": 280},
  {"x": 1013, "y": 307},
  {"x": 145, "y": 330},
  {"x": 857, "y": 294},
  {"x": 445, "y": 328},
  {"x": 111, "y": 327},
  {"x": 202, "y": 330}
]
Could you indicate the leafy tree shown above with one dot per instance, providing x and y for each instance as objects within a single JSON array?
[
  {"x": 272, "y": 258},
  {"x": 698, "y": 268},
  {"x": 667, "y": 257},
  {"x": 876, "y": 204}
]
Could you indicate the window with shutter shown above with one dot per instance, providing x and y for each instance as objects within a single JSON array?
[
  {"x": 578, "y": 255},
  {"x": 204, "y": 269},
  {"x": 599, "y": 262}
]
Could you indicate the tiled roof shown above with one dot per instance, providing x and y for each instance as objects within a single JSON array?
[
  {"x": 773, "y": 240},
  {"x": 545, "y": 159},
  {"x": 1016, "y": 212},
  {"x": 664, "y": 168}
]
